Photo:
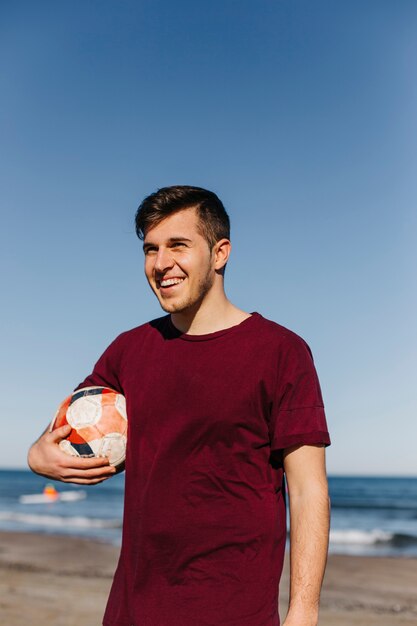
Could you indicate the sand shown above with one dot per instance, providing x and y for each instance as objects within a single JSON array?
[{"x": 59, "y": 581}]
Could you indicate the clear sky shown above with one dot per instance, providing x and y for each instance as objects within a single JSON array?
[{"x": 301, "y": 115}]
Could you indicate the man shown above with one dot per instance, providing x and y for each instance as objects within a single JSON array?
[{"x": 220, "y": 402}]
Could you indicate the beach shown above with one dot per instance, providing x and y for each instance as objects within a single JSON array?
[{"x": 53, "y": 580}]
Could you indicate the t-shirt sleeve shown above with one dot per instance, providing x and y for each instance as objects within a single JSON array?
[
  {"x": 297, "y": 415},
  {"x": 107, "y": 370}
]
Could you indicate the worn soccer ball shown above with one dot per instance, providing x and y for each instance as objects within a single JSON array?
[{"x": 98, "y": 419}]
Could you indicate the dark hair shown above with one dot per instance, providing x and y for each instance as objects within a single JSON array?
[{"x": 214, "y": 222}]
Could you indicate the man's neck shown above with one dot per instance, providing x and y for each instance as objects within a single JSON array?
[{"x": 208, "y": 320}]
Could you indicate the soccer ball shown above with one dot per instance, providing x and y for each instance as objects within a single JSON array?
[{"x": 98, "y": 419}]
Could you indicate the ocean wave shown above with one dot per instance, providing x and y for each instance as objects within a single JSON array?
[
  {"x": 370, "y": 537},
  {"x": 58, "y": 521},
  {"x": 386, "y": 505}
]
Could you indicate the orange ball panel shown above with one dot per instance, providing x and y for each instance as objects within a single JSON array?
[
  {"x": 111, "y": 421},
  {"x": 76, "y": 437},
  {"x": 89, "y": 433},
  {"x": 61, "y": 416}
]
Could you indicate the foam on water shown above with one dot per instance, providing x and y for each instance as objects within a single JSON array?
[
  {"x": 58, "y": 521},
  {"x": 360, "y": 537}
]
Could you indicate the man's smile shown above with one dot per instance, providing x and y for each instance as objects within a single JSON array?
[{"x": 169, "y": 282}]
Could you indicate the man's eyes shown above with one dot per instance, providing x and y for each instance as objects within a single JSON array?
[{"x": 154, "y": 249}]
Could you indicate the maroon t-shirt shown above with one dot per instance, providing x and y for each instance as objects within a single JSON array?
[{"x": 204, "y": 521}]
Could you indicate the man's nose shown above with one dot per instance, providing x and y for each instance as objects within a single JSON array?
[{"x": 164, "y": 260}]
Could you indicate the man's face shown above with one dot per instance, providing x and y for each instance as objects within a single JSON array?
[{"x": 178, "y": 262}]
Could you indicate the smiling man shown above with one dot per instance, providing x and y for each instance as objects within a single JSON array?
[{"x": 221, "y": 403}]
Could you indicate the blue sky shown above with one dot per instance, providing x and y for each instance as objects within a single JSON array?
[{"x": 302, "y": 117}]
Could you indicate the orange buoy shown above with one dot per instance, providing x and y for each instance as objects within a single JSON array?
[{"x": 50, "y": 492}]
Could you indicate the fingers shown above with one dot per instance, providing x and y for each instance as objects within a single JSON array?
[
  {"x": 83, "y": 463},
  {"x": 66, "y": 460},
  {"x": 84, "y": 481},
  {"x": 74, "y": 461},
  {"x": 98, "y": 473},
  {"x": 59, "y": 433}
]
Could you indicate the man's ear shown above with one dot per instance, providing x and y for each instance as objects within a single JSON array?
[{"x": 221, "y": 253}]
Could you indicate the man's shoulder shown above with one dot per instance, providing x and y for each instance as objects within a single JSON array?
[
  {"x": 278, "y": 334},
  {"x": 134, "y": 337},
  {"x": 158, "y": 325}
]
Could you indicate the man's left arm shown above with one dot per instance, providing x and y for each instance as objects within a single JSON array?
[{"x": 309, "y": 508}]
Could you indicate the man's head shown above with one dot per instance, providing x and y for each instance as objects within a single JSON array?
[
  {"x": 213, "y": 220},
  {"x": 185, "y": 239}
]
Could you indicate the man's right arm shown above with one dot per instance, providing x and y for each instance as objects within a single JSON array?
[{"x": 47, "y": 459}]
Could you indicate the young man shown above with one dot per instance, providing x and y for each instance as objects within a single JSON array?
[{"x": 220, "y": 403}]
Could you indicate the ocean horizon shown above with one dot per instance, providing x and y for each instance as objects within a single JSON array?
[{"x": 371, "y": 515}]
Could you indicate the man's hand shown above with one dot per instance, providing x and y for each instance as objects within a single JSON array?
[{"x": 47, "y": 459}]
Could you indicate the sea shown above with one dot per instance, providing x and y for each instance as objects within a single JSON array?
[{"x": 371, "y": 516}]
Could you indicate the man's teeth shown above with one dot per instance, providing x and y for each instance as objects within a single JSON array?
[{"x": 171, "y": 281}]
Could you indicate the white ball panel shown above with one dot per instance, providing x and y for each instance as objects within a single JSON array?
[
  {"x": 66, "y": 447},
  {"x": 112, "y": 445},
  {"x": 120, "y": 405},
  {"x": 86, "y": 411}
]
